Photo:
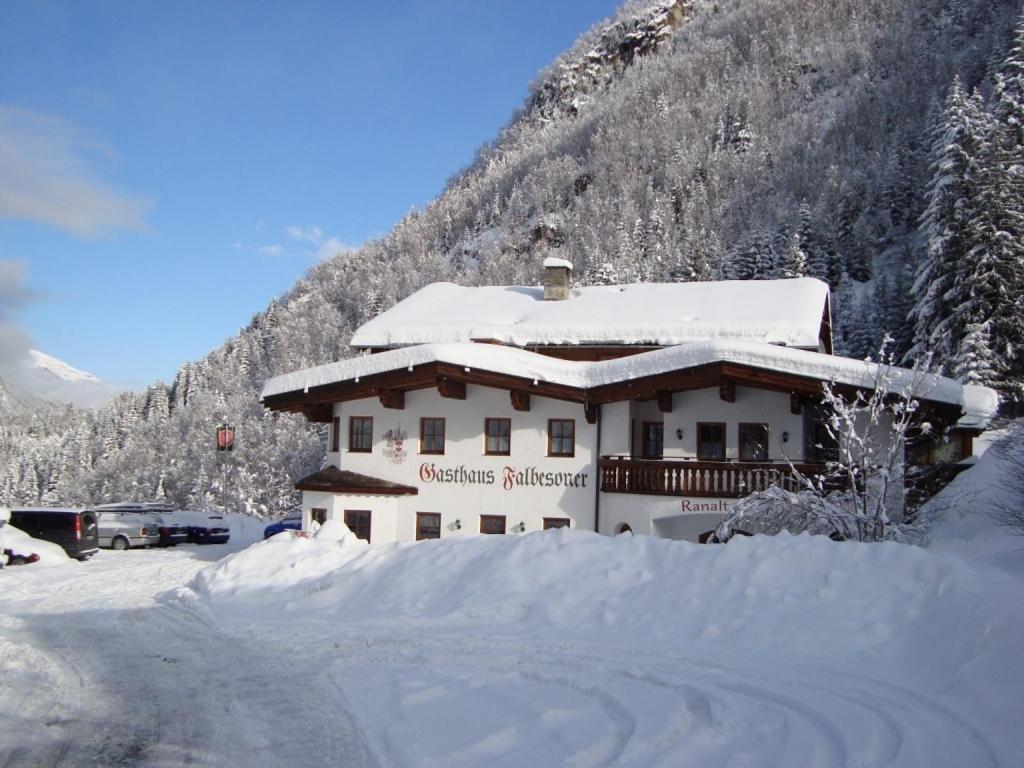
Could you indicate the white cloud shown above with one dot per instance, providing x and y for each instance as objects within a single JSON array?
[
  {"x": 333, "y": 247},
  {"x": 323, "y": 247},
  {"x": 47, "y": 176},
  {"x": 312, "y": 235}
]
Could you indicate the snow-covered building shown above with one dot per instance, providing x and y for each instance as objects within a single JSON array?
[{"x": 648, "y": 407}]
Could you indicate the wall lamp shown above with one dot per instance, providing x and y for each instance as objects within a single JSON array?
[
  {"x": 458, "y": 524},
  {"x": 785, "y": 437},
  {"x": 679, "y": 433},
  {"x": 521, "y": 527}
]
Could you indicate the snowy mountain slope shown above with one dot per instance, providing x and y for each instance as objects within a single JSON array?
[
  {"x": 58, "y": 368},
  {"x": 42, "y": 379},
  {"x": 676, "y": 141}
]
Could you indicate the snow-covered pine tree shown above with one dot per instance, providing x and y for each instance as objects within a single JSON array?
[
  {"x": 974, "y": 361},
  {"x": 792, "y": 260},
  {"x": 958, "y": 148},
  {"x": 1008, "y": 95}
]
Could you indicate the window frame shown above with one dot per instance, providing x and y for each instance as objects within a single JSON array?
[
  {"x": 487, "y": 436},
  {"x": 551, "y": 438},
  {"x": 444, "y": 431},
  {"x": 432, "y": 515},
  {"x": 766, "y": 430},
  {"x": 369, "y": 522},
  {"x": 335, "y": 434},
  {"x": 352, "y": 448},
  {"x": 556, "y": 522},
  {"x": 644, "y": 427},
  {"x": 725, "y": 445},
  {"x": 504, "y": 524},
  {"x": 319, "y": 514}
]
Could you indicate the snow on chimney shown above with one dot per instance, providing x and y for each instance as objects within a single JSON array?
[{"x": 556, "y": 279}]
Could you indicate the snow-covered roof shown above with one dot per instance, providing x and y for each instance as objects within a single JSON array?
[
  {"x": 659, "y": 314},
  {"x": 554, "y": 261},
  {"x": 977, "y": 403},
  {"x": 980, "y": 404}
]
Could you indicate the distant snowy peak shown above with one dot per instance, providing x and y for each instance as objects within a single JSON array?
[{"x": 44, "y": 362}]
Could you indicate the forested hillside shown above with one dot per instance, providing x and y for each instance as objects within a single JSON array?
[{"x": 873, "y": 143}]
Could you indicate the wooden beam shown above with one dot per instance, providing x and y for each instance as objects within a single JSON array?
[
  {"x": 795, "y": 404},
  {"x": 454, "y": 389},
  {"x": 590, "y": 411},
  {"x": 321, "y": 414},
  {"x": 520, "y": 399},
  {"x": 727, "y": 390},
  {"x": 392, "y": 398},
  {"x": 664, "y": 400}
]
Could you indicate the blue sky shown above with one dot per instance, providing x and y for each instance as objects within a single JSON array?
[{"x": 167, "y": 168}]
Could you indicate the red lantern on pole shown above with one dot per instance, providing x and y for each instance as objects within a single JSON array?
[{"x": 225, "y": 437}]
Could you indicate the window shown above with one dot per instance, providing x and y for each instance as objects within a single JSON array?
[
  {"x": 653, "y": 437},
  {"x": 431, "y": 435},
  {"x": 753, "y": 442},
  {"x": 556, "y": 522},
  {"x": 497, "y": 437},
  {"x": 710, "y": 441},
  {"x": 561, "y": 437},
  {"x": 358, "y": 521},
  {"x": 335, "y": 433},
  {"x": 318, "y": 514},
  {"x": 360, "y": 434},
  {"x": 428, "y": 525},
  {"x": 492, "y": 523}
]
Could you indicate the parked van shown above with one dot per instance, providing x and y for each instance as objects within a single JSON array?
[
  {"x": 75, "y": 530},
  {"x": 170, "y": 533},
  {"x": 121, "y": 530}
]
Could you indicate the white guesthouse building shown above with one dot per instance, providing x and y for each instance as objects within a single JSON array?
[{"x": 649, "y": 407}]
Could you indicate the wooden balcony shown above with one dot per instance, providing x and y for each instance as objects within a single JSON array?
[{"x": 681, "y": 477}]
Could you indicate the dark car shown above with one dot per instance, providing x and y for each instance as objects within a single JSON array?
[
  {"x": 292, "y": 523},
  {"x": 75, "y": 530},
  {"x": 203, "y": 527},
  {"x": 170, "y": 532}
]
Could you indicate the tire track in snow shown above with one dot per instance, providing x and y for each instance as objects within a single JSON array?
[{"x": 132, "y": 681}]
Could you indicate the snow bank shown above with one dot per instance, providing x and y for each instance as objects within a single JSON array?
[
  {"x": 966, "y": 514},
  {"x": 22, "y": 544},
  {"x": 569, "y": 648},
  {"x": 778, "y": 592},
  {"x": 268, "y": 573}
]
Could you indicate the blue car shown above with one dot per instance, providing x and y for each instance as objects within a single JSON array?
[{"x": 293, "y": 523}]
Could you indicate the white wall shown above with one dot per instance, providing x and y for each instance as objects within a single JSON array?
[
  {"x": 481, "y": 480},
  {"x": 665, "y": 516},
  {"x": 384, "y": 520},
  {"x": 756, "y": 406},
  {"x": 480, "y": 489}
]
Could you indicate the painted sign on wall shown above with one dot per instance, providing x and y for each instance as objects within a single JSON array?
[
  {"x": 394, "y": 445},
  {"x": 509, "y": 478}
]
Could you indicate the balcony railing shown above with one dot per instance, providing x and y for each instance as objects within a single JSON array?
[{"x": 680, "y": 477}]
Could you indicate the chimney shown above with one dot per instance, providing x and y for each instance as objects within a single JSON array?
[{"x": 556, "y": 279}]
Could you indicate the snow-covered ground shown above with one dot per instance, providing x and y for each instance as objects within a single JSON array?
[{"x": 555, "y": 648}]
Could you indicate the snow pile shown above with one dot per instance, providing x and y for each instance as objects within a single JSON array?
[
  {"x": 20, "y": 543},
  {"x": 781, "y": 590},
  {"x": 968, "y": 510},
  {"x": 565, "y": 647},
  {"x": 269, "y": 572}
]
